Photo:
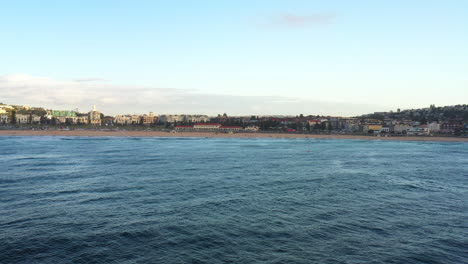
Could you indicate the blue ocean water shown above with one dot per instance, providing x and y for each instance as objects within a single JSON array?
[{"x": 207, "y": 200}]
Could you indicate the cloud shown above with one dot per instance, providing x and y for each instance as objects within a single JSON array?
[
  {"x": 90, "y": 80},
  {"x": 122, "y": 99},
  {"x": 301, "y": 21}
]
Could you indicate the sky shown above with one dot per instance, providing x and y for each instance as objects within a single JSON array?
[{"x": 237, "y": 57}]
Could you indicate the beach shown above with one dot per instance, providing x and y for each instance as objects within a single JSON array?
[{"x": 120, "y": 133}]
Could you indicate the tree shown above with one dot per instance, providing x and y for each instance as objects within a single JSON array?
[
  {"x": 423, "y": 120},
  {"x": 13, "y": 117},
  {"x": 323, "y": 125}
]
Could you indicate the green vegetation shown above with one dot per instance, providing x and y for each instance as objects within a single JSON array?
[{"x": 426, "y": 115}]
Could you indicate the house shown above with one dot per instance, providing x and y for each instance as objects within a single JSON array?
[
  {"x": 147, "y": 119},
  {"x": 22, "y": 119},
  {"x": 314, "y": 122},
  {"x": 108, "y": 120},
  {"x": 434, "y": 127},
  {"x": 372, "y": 127},
  {"x": 35, "y": 119},
  {"x": 401, "y": 128},
  {"x": 4, "y": 119}
]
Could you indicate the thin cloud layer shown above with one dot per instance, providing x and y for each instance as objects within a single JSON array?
[
  {"x": 122, "y": 99},
  {"x": 301, "y": 21},
  {"x": 90, "y": 80}
]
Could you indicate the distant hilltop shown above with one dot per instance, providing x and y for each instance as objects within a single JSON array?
[
  {"x": 425, "y": 115},
  {"x": 449, "y": 120}
]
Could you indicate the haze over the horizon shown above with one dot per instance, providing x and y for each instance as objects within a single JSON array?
[{"x": 239, "y": 57}]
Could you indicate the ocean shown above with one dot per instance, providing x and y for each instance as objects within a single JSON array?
[{"x": 214, "y": 200}]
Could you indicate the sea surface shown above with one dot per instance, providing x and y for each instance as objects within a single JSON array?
[{"x": 213, "y": 200}]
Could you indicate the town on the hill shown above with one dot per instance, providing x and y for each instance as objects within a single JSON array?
[{"x": 445, "y": 121}]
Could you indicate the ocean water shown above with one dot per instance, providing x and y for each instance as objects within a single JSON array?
[{"x": 207, "y": 200}]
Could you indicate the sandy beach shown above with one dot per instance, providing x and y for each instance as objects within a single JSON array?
[{"x": 103, "y": 133}]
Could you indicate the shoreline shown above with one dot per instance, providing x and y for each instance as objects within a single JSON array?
[{"x": 103, "y": 133}]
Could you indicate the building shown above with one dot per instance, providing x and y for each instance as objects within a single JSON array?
[
  {"x": 212, "y": 127},
  {"x": 147, "y": 119},
  {"x": 207, "y": 126},
  {"x": 22, "y": 119},
  {"x": 94, "y": 117},
  {"x": 450, "y": 127},
  {"x": 350, "y": 124},
  {"x": 171, "y": 118},
  {"x": 184, "y": 128},
  {"x": 386, "y": 129},
  {"x": 123, "y": 120},
  {"x": 58, "y": 120},
  {"x": 252, "y": 128},
  {"x": 82, "y": 119},
  {"x": 61, "y": 116},
  {"x": 5, "y": 108},
  {"x": 134, "y": 119},
  {"x": 314, "y": 123},
  {"x": 35, "y": 119},
  {"x": 195, "y": 118},
  {"x": 127, "y": 120},
  {"x": 434, "y": 127},
  {"x": 108, "y": 120},
  {"x": 4, "y": 119},
  {"x": 401, "y": 128},
  {"x": 417, "y": 131},
  {"x": 230, "y": 128},
  {"x": 372, "y": 127}
]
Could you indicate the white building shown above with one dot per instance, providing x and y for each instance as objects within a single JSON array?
[
  {"x": 401, "y": 128},
  {"x": 385, "y": 130},
  {"x": 434, "y": 127},
  {"x": 22, "y": 119},
  {"x": 4, "y": 119},
  {"x": 196, "y": 118},
  {"x": 35, "y": 119},
  {"x": 207, "y": 126},
  {"x": 418, "y": 131},
  {"x": 94, "y": 116},
  {"x": 123, "y": 120},
  {"x": 171, "y": 118},
  {"x": 252, "y": 128}
]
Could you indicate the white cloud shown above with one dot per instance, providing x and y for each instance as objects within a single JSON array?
[{"x": 120, "y": 99}]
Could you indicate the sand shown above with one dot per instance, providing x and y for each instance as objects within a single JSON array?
[{"x": 104, "y": 133}]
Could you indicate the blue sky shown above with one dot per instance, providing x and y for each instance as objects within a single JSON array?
[{"x": 245, "y": 57}]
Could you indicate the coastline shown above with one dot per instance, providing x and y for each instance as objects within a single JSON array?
[{"x": 104, "y": 133}]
